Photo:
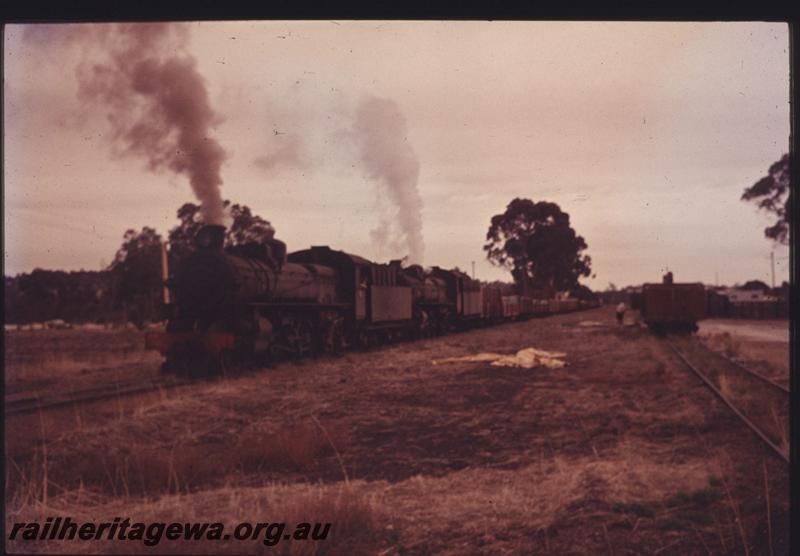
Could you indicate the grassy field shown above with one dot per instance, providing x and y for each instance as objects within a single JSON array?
[
  {"x": 620, "y": 452},
  {"x": 45, "y": 360}
]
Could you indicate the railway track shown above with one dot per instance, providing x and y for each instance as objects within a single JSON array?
[
  {"x": 758, "y": 401},
  {"x": 753, "y": 373},
  {"x": 25, "y": 402}
]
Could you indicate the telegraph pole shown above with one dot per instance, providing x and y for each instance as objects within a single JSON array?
[
  {"x": 473, "y": 274},
  {"x": 772, "y": 263}
]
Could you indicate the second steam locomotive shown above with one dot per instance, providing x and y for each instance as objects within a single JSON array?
[{"x": 253, "y": 303}]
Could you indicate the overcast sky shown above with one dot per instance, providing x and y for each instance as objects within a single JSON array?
[{"x": 645, "y": 133}]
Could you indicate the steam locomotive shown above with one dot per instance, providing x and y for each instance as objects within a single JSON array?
[{"x": 253, "y": 304}]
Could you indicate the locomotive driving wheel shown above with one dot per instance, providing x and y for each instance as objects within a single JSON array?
[
  {"x": 271, "y": 356},
  {"x": 334, "y": 338},
  {"x": 301, "y": 337},
  {"x": 230, "y": 362}
]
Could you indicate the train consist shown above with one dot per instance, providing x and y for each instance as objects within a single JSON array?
[
  {"x": 671, "y": 307},
  {"x": 253, "y": 303}
]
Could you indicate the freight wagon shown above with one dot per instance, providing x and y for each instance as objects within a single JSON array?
[
  {"x": 510, "y": 307},
  {"x": 492, "y": 303},
  {"x": 673, "y": 307}
]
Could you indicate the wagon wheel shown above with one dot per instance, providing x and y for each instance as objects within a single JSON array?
[
  {"x": 364, "y": 339},
  {"x": 374, "y": 338},
  {"x": 200, "y": 365}
]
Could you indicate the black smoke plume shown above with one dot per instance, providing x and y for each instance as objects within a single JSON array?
[{"x": 156, "y": 102}]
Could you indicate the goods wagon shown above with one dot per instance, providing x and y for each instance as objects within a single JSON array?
[
  {"x": 673, "y": 307},
  {"x": 510, "y": 306},
  {"x": 492, "y": 303},
  {"x": 525, "y": 306},
  {"x": 473, "y": 302},
  {"x": 568, "y": 305},
  {"x": 635, "y": 300},
  {"x": 541, "y": 307}
]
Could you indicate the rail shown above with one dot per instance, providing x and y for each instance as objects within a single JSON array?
[
  {"x": 773, "y": 447},
  {"x": 17, "y": 404}
]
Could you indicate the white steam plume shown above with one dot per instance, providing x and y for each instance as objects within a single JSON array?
[{"x": 381, "y": 132}]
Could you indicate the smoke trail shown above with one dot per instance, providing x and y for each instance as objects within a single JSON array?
[
  {"x": 380, "y": 130},
  {"x": 289, "y": 152},
  {"x": 157, "y": 104},
  {"x": 382, "y": 238}
]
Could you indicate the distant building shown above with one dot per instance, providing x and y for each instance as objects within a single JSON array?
[
  {"x": 745, "y": 304},
  {"x": 744, "y": 296}
]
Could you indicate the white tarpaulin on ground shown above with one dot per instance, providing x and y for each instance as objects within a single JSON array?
[
  {"x": 525, "y": 358},
  {"x": 590, "y": 323}
]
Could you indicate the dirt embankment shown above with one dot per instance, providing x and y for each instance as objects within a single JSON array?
[{"x": 621, "y": 451}]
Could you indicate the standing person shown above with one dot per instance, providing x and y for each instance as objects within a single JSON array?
[{"x": 620, "y": 312}]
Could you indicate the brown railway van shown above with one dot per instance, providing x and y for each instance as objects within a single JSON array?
[{"x": 675, "y": 307}]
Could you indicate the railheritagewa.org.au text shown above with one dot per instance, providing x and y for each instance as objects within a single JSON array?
[{"x": 152, "y": 533}]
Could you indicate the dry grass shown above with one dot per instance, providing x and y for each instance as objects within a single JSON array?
[
  {"x": 543, "y": 496},
  {"x": 782, "y": 428},
  {"x": 538, "y": 495},
  {"x": 64, "y": 358},
  {"x": 119, "y": 478},
  {"x": 725, "y": 343},
  {"x": 358, "y": 524},
  {"x": 758, "y": 407},
  {"x": 770, "y": 358},
  {"x": 725, "y": 386},
  {"x": 129, "y": 467},
  {"x": 296, "y": 446}
]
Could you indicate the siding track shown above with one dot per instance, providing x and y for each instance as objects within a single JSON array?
[{"x": 759, "y": 402}]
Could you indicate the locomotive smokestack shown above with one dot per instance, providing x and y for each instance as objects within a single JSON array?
[{"x": 210, "y": 237}]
